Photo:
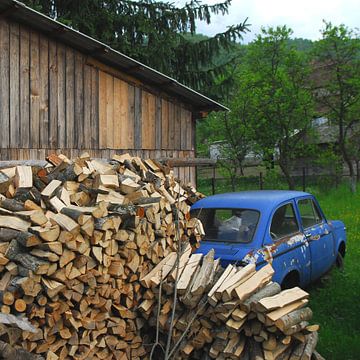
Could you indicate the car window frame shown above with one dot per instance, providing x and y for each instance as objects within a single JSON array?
[
  {"x": 314, "y": 202},
  {"x": 233, "y": 243},
  {"x": 294, "y": 205}
]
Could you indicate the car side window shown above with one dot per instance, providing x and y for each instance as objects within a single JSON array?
[
  {"x": 284, "y": 222},
  {"x": 309, "y": 213}
]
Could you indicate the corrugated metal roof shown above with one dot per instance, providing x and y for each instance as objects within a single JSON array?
[{"x": 19, "y": 12}]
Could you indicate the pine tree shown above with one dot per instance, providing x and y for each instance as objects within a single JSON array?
[{"x": 156, "y": 33}]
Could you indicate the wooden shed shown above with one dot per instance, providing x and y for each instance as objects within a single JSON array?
[{"x": 63, "y": 91}]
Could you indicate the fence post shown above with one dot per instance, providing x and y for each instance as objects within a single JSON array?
[
  {"x": 261, "y": 183},
  {"x": 303, "y": 179},
  {"x": 213, "y": 180}
]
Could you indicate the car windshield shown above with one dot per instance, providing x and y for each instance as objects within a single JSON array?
[{"x": 229, "y": 225}]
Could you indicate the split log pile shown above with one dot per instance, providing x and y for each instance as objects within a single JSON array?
[
  {"x": 75, "y": 240},
  {"x": 90, "y": 249},
  {"x": 232, "y": 313}
]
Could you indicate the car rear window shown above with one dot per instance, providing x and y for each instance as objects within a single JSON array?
[{"x": 228, "y": 225}]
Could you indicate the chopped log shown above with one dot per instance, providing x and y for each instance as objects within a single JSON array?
[
  {"x": 66, "y": 223},
  {"x": 32, "y": 263},
  {"x": 46, "y": 233},
  {"x": 27, "y": 239},
  {"x": 4, "y": 182},
  {"x": 310, "y": 346},
  {"x": 257, "y": 281},
  {"x": 269, "y": 290},
  {"x": 203, "y": 278},
  {"x": 293, "y": 318},
  {"x": 20, "y": 305},
  {"x": 12, "y": 205},
  {"x": 13, "y": 222},
  {"x": 189, "y": 270},
  {"x": 236, "y": 280},
  {"x": 278, "y": 313},
  {"x": 8, "y": 234},
  {"x": 282, "y": 299},
  {"x": 23, "y": 177},
  {"x": 51, "y": 188}
]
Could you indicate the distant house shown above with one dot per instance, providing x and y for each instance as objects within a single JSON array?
[{"x": 63, "y": 91}]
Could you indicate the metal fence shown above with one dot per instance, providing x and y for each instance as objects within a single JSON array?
[{"x": 210, "y": 181}]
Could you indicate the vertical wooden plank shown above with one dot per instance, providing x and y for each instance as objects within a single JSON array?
[
  {"x": 44, "y": 92},
  {"x": 152, "y": 121},
  {"x": 14, "y": 85},
  {"x": 127, "y": 137},
  {"x": 188, "y": 120},
  {"x": 24, "y": 88},
  {"x": 70, "y": 97},
  {"x": 79, "y": 102},
  {"x": 183, "y": 129},
  {"x": 138, "y": 118},
  {"x": 171, "y": 133},
  {"x": 158, "y": 123},
  {"x": 94, "y": 108},
  {"x": 102, "y": 110},
  {"x": 87, "y": 108},
  {"x": 120, "y": 126},
  {"x": 34, "y": 90},
  {"x": 4, "y": 84},
  {"x": 110, "y": 111},
  {"x": 53, "y": 95},
  {"x": 178, "y": 127},
  {"x": 61, "y": 99},
  {"x": 145, "y": 119},
  {"x": 148, "y": 121},
  {"x": 164, "y": 124},
  {"x": 131, "y": 115}
]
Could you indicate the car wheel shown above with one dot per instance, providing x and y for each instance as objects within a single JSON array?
[{"x": 340, "y": 261}]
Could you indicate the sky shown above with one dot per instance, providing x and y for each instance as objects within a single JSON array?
[{"x": 303, "y": 16}]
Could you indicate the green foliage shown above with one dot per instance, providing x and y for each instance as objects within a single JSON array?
[
  {"x": 155, "y": 33},
  {"x": 338, "y": 54},
  {"x": 273, "y": 102}
]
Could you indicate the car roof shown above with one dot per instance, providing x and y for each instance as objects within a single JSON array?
[{"x": 258, "y": 199}]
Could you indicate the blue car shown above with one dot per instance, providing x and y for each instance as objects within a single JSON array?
[{"x": 285, "y": 228}]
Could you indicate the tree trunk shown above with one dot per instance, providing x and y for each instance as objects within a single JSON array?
[{"x": 286, "y": 171}]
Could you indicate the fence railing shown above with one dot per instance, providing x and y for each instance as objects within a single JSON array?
[{"x": 210, "y": 181}]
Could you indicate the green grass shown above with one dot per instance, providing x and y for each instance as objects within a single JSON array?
[{"x": 335, "y": 301}]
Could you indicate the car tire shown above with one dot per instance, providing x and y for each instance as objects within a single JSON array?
[{"x": 339, "y": 261}]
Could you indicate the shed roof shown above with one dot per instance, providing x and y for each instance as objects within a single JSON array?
[{"x": 19, "y": 12}]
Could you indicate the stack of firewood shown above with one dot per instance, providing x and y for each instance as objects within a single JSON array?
[
  {"x": 93, "y": 252},
  {"x": 75, "y": 240},
  {"x": 231, "y": 313}
]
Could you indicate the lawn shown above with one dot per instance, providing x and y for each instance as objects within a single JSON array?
[{"x": 335, "y": 300}]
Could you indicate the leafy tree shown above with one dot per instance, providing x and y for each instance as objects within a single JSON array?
[
  {"x": 155, "y": 33},
  {"x": 273, "y": 102},
  {"x": 339, "y": 90}
]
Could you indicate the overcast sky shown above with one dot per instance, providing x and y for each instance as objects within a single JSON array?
[{"x": 304, "y": 17}]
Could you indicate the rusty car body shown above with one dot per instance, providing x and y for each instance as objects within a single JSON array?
[{"x": 285, "y": 228}]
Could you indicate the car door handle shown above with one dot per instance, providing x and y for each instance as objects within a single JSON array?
[{"x": 312, "y": 237}]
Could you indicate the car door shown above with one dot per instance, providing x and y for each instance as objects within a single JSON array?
[
  {"x": 319, "y": 236},
  {"x": 287, "y": 245}
]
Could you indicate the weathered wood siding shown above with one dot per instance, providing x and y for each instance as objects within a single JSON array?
[{"x": 54, "y": 98}]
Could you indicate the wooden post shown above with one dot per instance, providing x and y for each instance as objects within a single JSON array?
[
  {"x": 213, "y": 180},
  {"x": 303, "y": 179}
]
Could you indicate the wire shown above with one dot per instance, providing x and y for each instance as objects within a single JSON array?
[{"x": 177, "y": 236}]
